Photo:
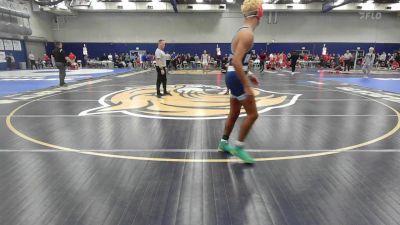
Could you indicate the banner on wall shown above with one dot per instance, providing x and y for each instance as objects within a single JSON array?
[
  {"x": 1, "y": 45},
  {"x": 2, "y": 57},
  {"x": 17, "y": 45},
  {"x": 8, "y": 45}
]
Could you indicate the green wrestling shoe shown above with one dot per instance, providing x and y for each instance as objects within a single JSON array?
[
  {"x": 242, "y": 154},
  {"x": 224, "y": 146}
]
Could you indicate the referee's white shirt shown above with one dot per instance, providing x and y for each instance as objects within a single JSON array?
[{"x": 162, "y": 59}]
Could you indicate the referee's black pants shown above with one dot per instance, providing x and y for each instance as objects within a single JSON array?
[
  {"x": 161, "y": 79},
  {"x": 262, "y": 65},
  {"x": 347, "y": 65},
  {"x": 293, "y": 65}
]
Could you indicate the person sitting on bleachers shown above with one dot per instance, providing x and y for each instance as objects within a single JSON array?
[
  {"x": 143, "y": 61},
  {"x": 397, "y": 57},
  {"x": 382, "y": 60},
  {"x": 179, "y": 62},
  {"x": 336, "y": 59},
  {"x": 127, "y": 58},
  {"x": 225, "y": 63},
  {"x": 305, "y": 57},
  {"x": 104, "y": 57},
  {"x": 120, "y": 63},
  {"x": 72, "y": 56},
  {"x": 395, "y": 65},
  {"x": 73, "y": 65},
  {"x": 341, "y": 60},
  {"x": 285, "y": 63},
  {"x": 46, "y": 61}
]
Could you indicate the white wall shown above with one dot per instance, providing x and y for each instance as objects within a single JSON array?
[
  {"x": 338, "y": 27},
  {"x": 217, "y": 27},
  {"x": 41, "y": 24}
]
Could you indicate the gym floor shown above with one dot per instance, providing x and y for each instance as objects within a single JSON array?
[{"x": 108, "y": 151}]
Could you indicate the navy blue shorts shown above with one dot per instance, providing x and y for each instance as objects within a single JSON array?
[{"x": 233, "y": 83}]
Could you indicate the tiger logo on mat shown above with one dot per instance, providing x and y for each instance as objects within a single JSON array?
[{"x": 187, "y": 101}]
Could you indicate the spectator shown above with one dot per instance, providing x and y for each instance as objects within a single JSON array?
[
  {"x": 271, "y": 57},
  {"x": 347, "y": 60},
  {"x": 9, "y": 62},
  {"x": 72, "y": 56},
  {"x": 397, "y": 57},
  {"x": 341, "y": 60},
  {"x": 72, "y": 64},
  {"x": 305, "y": 57},
  {"x": 205, "y": 60},
  {"x": 225, "y": 63},
  {"x": 32, "y": 60},
  {"x": 293, "y": 59},
  {"x": 284, "y": 60},
  {"x": 85, "y": 60},
  {"x": 192, "y": 61},
  {"x": 368, "y": 62},
  {"x": 144, "y": 61},
  {"x": 324, "y": 61},
  {"x": 382, "y": 59},
  {"x": 104, "y": 57},
  {"x": 336, "y": 59},
  {"x": 263, "y": 58},
  {"x": 253, "y": 55},
  {"x": 127, "y": 58},
  {"x": 46, "y": 60}
]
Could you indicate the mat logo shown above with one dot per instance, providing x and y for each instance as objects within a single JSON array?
[{"x": 187, "y": 102}]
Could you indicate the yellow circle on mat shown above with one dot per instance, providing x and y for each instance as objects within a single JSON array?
[{"x": 330, "y": 152}]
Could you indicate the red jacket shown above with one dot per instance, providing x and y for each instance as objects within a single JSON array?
[
  {"x": 72, "y": 56},
  {"x": 263, "y": 57}
]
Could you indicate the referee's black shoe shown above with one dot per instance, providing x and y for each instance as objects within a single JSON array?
[{"x": 167, "y": 93}]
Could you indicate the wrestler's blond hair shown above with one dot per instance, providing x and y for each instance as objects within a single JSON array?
[{"x": 250, "y": 6}]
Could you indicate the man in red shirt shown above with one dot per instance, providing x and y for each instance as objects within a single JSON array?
[
  {"x": 71, "y": 56},
  {"x": 305, "y": 57},
  {"x": 325, "y": 59},
  {"x": 46, "y": 60}
]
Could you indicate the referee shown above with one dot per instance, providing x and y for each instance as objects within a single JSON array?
[
  {"x": 161, "y": 63},
  {"x": 61, "y": 61}
]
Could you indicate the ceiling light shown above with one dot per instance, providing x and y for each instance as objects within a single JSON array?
[
  {"x": 229, "y": 1},
  {"x": 199, "y": 1},
  {"x": 296, "y": 1}
]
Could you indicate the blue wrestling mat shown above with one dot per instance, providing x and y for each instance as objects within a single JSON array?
[
  {"x": 15, "y": 82},
  {"x": 383, "y": 84}
]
